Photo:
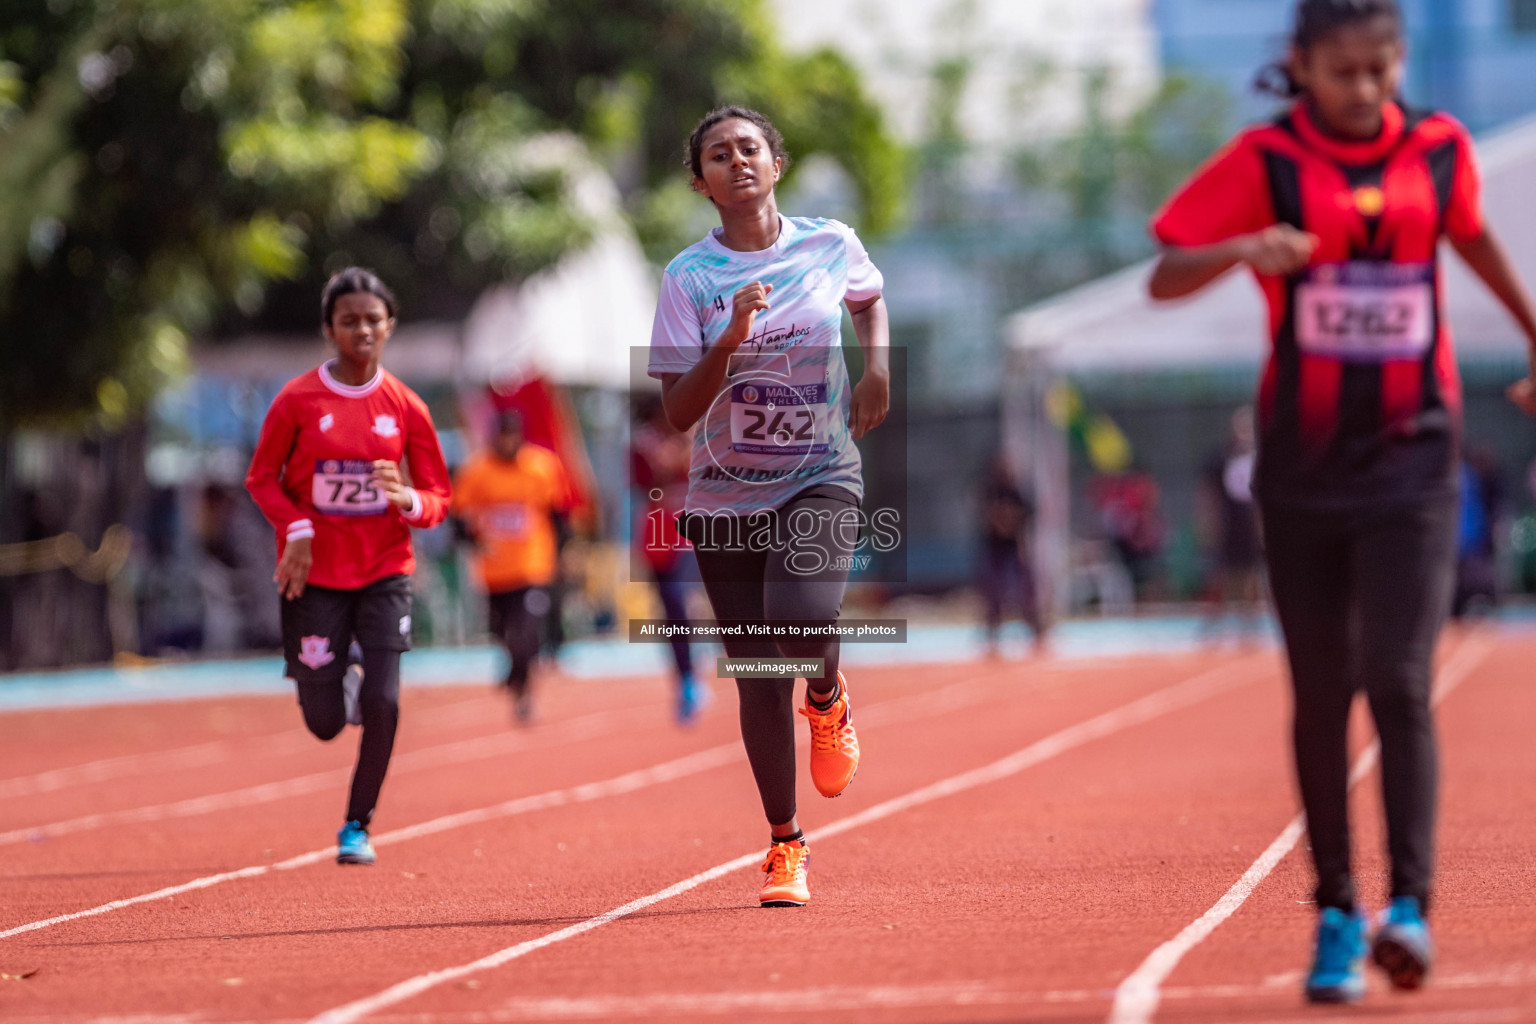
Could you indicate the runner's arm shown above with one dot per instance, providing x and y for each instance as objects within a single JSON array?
[
  {"x": 871, "y": 398},
  {"x": 1489, "y": 260},
  {"x": 431, "y": 492},
  {"x": 687, "y": 396},
  {"x": 264, "y": 478},
  {"x": 1486, "y": 255},
  {"x": 264, "y": 482},
  {"x": 1277, "y": 250}
]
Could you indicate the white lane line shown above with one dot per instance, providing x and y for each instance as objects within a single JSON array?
[
  {"x": 129, "y": 765},
  {"x": 212, "y": 752},
  {"x": 851, "y": 998},
  {"x": 456, "y": 752},
  {"x": 956, "y": 696},
  {"x": 1180, "y": 695},
  {"x": 1137, "y": 997},
  {"x": 626, "y": 783},
  {"x": 439, "y": 716}
]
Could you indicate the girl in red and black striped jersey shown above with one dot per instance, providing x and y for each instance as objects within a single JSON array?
[
  {"x": 327, "y": 474},
  {"x": 1338, "y": 207}
]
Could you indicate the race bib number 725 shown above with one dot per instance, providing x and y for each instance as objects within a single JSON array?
[
  {"x": 345, "y": 487},
  {"x": 1367, "y": 311}
]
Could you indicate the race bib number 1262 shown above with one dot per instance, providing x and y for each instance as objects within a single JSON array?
[{"x": 1367, "y": 311}]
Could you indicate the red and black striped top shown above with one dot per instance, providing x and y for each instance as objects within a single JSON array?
[{"x": 1360, "y": 402}]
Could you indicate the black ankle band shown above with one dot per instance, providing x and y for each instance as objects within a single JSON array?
[
  {"x": 824, "y": 705},
  {"x": 799, "y": 836}
]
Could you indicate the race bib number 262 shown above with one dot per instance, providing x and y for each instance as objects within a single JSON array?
[{"x": 778, "y": 419}]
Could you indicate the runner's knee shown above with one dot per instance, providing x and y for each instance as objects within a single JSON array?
[{"x": 325, "y": 712}]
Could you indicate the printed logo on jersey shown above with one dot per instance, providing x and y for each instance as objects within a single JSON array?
[
  {"x": 777, "y": 337},
  {"x": 1370, "y": 201},
  {"x": 385, "y": 426},
  {"x": 315, "y": 651},
  {"x": 720, "y": 303},
  {"x": 818, "y": 281},
  {"x": 405, "y": 624},
  {"x": 327, "y": 422}
]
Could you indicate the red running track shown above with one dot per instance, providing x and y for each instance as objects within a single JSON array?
[{"x": 1021, "y": 837}]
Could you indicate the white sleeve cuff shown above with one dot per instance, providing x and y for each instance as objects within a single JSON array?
[
  {"x": 300, "y": 528},
  {"x": 414, "y": 512}
]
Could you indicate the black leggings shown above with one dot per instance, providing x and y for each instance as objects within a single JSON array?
[
  {"x": 518, "y": 620},
  {"x": 325, "y": 713},
  {"x": 672, "y": 587},
  {"x": 1361, "y": 597},
  {"x": 777, "y": 585}
]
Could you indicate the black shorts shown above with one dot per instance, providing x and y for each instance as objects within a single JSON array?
[{"x": 321, "y": 624}]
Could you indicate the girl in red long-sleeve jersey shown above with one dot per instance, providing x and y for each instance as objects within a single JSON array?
[
  {"x": 1339, "y": 207},
  {"x": 327, "y": 475}
]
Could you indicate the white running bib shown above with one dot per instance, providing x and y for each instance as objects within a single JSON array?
[
  {"x": 508, "y": 520},
  {"x": 1367, "y": 311},
  {"x": 778, "y": 419},
  {"x": 345, "y": 487}
]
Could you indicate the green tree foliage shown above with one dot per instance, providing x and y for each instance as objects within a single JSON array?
[
  {"x": 165, "y": 157},
  {"x": 174, "y": 166}
]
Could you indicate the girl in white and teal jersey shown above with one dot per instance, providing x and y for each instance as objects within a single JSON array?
[{"x": 747, "y": 344}]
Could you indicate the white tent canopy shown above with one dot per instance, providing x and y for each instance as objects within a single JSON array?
[
  {"x": 573, "y": 324},
  {"x": 576, "y": 322},
  {"x": 1111, "y": 325}
]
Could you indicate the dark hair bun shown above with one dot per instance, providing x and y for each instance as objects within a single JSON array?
[{"x": 349, "y": 281}]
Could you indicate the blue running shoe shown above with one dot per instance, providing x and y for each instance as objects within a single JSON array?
[
  {"x": 692, "y": 698},
  {"x": 352, "y": 845},
  {"x": 1402, "y": 946},
  {"x": 1338, "y": 967}
]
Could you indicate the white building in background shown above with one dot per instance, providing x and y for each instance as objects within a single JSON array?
[{"x": 1028, "y": 58}]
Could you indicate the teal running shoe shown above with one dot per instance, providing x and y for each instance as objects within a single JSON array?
[
  {"x": 1403, "y": 947},
  {"x": 1338, "y": 966},
  {"x": 692, "y": 698},
  {"x": 352, "y": 845}
]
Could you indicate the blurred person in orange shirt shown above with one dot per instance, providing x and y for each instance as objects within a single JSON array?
[{"x": 507, "y": 499}]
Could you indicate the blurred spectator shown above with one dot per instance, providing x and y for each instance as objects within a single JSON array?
[
  {"x": 1006, "y": 573},
  {"x": 1127, "y": 505},
  {"x": 1482, "y": 506},
  {"x": 659, "y": 457},
  {"x": 1233, "y": 525},
  {"x": 234, "y": 574}
]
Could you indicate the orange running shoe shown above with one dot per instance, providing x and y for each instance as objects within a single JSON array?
[
  {"x": 834, "y": 745},
  {"x": 784, "y": 882}
]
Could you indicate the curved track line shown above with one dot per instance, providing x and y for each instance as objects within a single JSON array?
[
  {"x": 950, "y": 698},
  {"x": 1138, "y": 996},
  {"x": 1180, "y": 695}
]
